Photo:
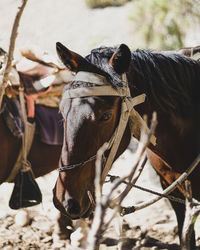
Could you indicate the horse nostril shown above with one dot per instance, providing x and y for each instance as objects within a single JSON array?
[{"x": 72, "y": 207}]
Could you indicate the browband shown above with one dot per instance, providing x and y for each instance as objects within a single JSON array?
[{"x": 100, "y": 87}]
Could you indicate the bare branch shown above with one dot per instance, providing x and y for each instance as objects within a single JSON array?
[
  {"x": 115, "y": 203},
  {"x": 99, "y": 213},
  {"x": 144, "y": 142},
  {"x": 170, "y": 197},
  {"x": 102, "y": 203},
  {"x": 167, "y": 191},
  {"x": 191, "y": 214},
  {"x": 98, "y": 169},
  {"x": 11, "y": 49}
]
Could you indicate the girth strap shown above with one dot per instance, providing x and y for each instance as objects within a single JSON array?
[
  {"x": 30, "y": 131},
  {"x": 27, "y": 139}
]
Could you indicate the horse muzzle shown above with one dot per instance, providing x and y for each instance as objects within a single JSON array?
[{"x": 72, "y": 209}]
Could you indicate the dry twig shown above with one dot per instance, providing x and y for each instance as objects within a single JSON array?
[
  {"x": 11, "y": 49},
  {"x": 132, "y": 178},
  {"x": 102, "y": 203},
  {"x": 168, "y": 190},
  {"x": 191, "y": 214},
  {"x": 170, "y": 197},
  {"x": 99, "y": 213}
]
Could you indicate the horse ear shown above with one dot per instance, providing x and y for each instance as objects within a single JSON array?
[
  {"x": 70, "y": 59},
  {"x": 121, "y": 59}
]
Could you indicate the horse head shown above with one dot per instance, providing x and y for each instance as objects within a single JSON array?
[{"x": 89, "y": 121}]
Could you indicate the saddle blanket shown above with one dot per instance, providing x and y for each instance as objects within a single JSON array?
[
  {"x": 49, "y": 121},
  {"x": 49, "y": 124}
]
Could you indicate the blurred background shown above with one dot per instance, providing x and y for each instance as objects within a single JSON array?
[{"x": 84, "y": 24}]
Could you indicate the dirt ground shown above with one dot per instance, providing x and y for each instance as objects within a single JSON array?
[
  {"x": 154, "y": 227},
  {"x": 43, "y": 24},
  {"x": 151, "y": 228}
]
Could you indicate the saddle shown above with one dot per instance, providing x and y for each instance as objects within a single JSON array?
[{"x": 37, "y": 71}]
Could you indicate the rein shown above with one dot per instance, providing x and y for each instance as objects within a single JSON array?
[{"x": 99, "y": 86}]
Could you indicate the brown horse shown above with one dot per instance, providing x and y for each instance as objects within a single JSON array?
[
  {"x": 171, "y": 82},
  {"x": 43, "y": 157}
]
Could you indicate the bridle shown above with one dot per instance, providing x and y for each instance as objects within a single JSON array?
[{"x": 101, "y": 87}]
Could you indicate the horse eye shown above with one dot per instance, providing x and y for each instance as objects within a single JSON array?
[{"x": 106, "y": 116}]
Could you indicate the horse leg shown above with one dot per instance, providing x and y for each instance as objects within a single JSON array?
[
  {"x": 167, "y": 176},
  {"x": 65, "y": 227},
  {"x": 179, "y": 210},
  {"x": 180, "y": 215}
]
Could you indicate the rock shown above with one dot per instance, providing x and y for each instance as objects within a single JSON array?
[
  {"x": 47, "y": 239},
  {"x": 8, "y": 248},
  {"x": 3, "y": 214},
  {"x": 79, "y": 236},
  {"x": 22, "y": 218},
  {"x": 165, "y": 227}
]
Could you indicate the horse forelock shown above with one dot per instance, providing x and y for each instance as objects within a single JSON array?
[{"x": 100, "y": 58}]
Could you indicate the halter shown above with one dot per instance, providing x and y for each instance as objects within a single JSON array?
[{"x": 99, "y": 86}]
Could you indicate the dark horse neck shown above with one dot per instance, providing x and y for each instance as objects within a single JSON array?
[
  {"x": 171, "y": 84},
  {"x": 170, "y": 81}
]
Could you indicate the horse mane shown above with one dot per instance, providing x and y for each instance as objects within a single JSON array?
[{"x": 171, "y": 81}]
